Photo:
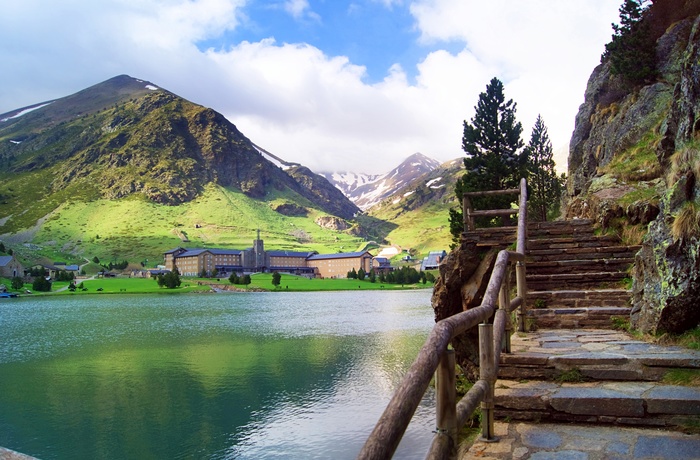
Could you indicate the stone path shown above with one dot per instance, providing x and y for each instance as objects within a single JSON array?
[
  {"x": 523, "y": 441},
  {"x": 598, "y": 354},
  {"x": 620, "y": 408}
]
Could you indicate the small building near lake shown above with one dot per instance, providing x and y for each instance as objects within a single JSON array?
[
  {"x": 433, "y": 260},
  {"x": 10, "y": 267}
]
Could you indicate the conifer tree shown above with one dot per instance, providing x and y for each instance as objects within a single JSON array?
[
  {"x": 545, "y": 186},
  {"x": 632, "y": 51},
  {"x": 492, "y": 144}
]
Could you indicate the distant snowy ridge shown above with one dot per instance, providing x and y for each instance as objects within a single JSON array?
[{"x": 367, "y": 190}]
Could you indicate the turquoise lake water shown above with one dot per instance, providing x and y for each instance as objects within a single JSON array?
[{"x": 208, "y": 376}]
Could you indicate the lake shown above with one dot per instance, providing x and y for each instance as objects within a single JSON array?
[{"x": 208, "y": 376}]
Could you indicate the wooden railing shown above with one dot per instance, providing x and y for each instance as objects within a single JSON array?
[
  {"x": 436, "y": 358},
  {"x": 469, "y": 213}
]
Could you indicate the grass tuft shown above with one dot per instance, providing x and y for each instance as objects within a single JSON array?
[
  {"x": 572, "y": 375},
  {"x": 686, "y": 224},
  {"x": 685, "y": 377}
]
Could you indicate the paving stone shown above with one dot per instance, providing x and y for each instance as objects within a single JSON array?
[
  {"x": 670, "y": 448},
  {"x": 561, "y": 345},
  {"x": 560, "y": 455},
  {"x": 677, "y": 400},
  {"x": 521, "y": 398},
  {"x": 594, "y": 401},
  {"x": 539, "y": 439},
  {"x": 612, "y": 374},
  {"x": 670, "y": 360},
  {"x": 591, "y": 357}
]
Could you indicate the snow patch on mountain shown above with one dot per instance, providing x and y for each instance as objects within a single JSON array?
[{"x": 25, "y": 111}]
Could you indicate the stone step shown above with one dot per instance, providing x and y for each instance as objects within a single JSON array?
[
  {"x": 584, "y": 317},
  {"x": 562, "y": 227},
  {"x": 578, "y": 298},
  {"x": 572, "y": 242},
  {"x": 578, "y": 266},
  {"x": 591, "y": 354},
  {"x": 552, "y": 282},
  {"x": 596, "y": 252},
  {"x": 619, "y": 403}
]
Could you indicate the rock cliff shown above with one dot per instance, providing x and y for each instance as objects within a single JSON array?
[{"x": 634, "y": 164}]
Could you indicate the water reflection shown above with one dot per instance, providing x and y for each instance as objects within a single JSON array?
[{"x": 294, "y": 375}]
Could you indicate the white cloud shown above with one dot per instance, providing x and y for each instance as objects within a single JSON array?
[{"x": 305, "y": 105}]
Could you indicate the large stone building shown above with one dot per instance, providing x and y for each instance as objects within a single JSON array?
[{"x": 194, "y": 262}]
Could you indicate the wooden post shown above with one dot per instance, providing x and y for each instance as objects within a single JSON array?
[
  {"x": 446, "y": 410},
  {"x": 504, "y": 304},
  {"x": 486, "y": 372},
  {"x": 522, "y": 293},
  {"x": 467, "y": 214}
]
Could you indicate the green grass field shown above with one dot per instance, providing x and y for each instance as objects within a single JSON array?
[{"x": 261, "y": 281}]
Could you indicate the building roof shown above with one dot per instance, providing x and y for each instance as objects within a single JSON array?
[
  {"x": 302, "y": 255},
  {"x": 5, "y": 260},
  {"x": 172, "y": 251},
  {"x": 72, "y": 268},
  {"x": 218, "y": 252},
  {"x": 433, "y": 259},
  {"x": 340, "y": 255}
]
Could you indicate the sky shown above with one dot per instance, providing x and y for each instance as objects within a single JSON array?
[{"x": 335, "y": 85}]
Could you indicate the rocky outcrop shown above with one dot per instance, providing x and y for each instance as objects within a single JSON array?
[
  {"x": 657, "y": 120},
  {"x": 332, "y": 223}
]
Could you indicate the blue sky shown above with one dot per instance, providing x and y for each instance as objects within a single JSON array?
[
  {"x": 367, "y": 32},
  {"x": 335, "y": 85}
]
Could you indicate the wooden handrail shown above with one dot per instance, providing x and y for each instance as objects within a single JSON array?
[{"x": 392, "y": 424}]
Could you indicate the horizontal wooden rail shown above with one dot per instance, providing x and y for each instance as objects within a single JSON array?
[
  {"x": 508, "y": 191},
  {"x": 494, "y": 213}
]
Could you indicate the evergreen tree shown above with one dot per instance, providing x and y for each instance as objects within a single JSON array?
[
  {"x": 361, "y": 274},
  {"x": 545, "y": 186},
  {"x": 276, "y": 278},
  {"x": 492, "y": 144},
  {"x": 2, "y": 247},
  {"x": 245, "y": 280},
  {"x": 171, "y": 279},
  {"x": 234, "y": 279},
  {"x": 41, "y": 284},
  {"x": 17, "y": 283},
  {"x": 632, "y": 51}
]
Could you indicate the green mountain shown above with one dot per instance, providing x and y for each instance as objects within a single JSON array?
[{"x": 125, "y": 169}]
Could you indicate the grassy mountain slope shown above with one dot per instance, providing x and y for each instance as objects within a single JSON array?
[
  {"x": 136, "y": 229},
  {"x": 121, "y": 169}
]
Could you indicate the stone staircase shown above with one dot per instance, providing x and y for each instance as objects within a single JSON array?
[
  {"x": 576, "y": 278},
  {"x": 573, "y": 366}
]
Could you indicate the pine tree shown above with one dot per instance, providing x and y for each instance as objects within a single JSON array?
[
  {"x": 545, "y": 186},
  {"x": 492, "y": 146},
  {"x": 632, "y": 51},
  {"x": 276, "y": 278}
]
